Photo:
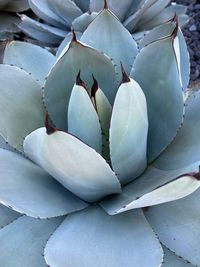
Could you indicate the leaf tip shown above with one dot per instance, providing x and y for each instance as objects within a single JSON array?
[
  {"x": 95, "y": 87},
  {"x": 50, "y": 128},
  {"x": 79, "y": 81},
  {"x": 125, "y": 78}
]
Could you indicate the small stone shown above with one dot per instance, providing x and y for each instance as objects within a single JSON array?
[{"x": 193, "y": 28}]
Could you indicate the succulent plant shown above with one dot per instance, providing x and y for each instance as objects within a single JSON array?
[
  {"x": 62, "y": 16},
  {"x": 117, "y": 132},
  {"x": 8, "y": 20}
]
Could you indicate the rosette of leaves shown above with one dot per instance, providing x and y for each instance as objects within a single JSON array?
[
  {"x": 59, "y": 17},
  {"x": 120, "y": 134},
  {"x": 8, "y": 19}
]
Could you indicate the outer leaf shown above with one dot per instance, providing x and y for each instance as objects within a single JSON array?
[
  {"x": 83, "y": 121},
  {"x": 109, "y": 241},
  {"x": 7, "y": 216},
  {"x": 119, "y": 45},
  {"x": 156, "y": 70},
  {"x": 76, "y": 166},
  {"x": 58, "y": 86},
  {"x": 41, "y": 32},
  {"x": 177, "y": 226},
  {"x": 20, "y": 54},
  {"x": 8, "y": 24},
  {"x": 81, "y": 23},
  {"x": 128, "y": 132},
  {"x": 22, "y": 241},
  {"x": 170, "y": 259},
  {"x": 28, "y": 189},
  {"x": 20, "y": 104},
  {"x": 43, "y": 11},
  {"x": 151, "y": 188}
]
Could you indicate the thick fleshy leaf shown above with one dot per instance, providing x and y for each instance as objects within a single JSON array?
[
  {"x": 16, "y": 6},
  {"x": 177, "y": 226},
  {"x": 43, "y": 11},
  {"x": 102, "y": 240},
  {"x": 67, "y": 9},
  {"x": 119, "y": 45},
  {"x": 8, "y": 24},
  {"x": 120, "y": 8},
  {"x": 81, "y": 23},
  {"x": 28, "y": 189},
  {"x": 83, "y": 121},
  {"x": 41, "y": 32},
  {"x": 185, "y": 148},
  {"x": 7, "y": 216},
  {"x": 21, "y": 105},
  {"x": 83, "y": 5},
  {"x": 75, "y": 165},
  {"x": 171, "y": 259},
  {"x": 151, "y": 188},
  {"x": 22, "y": 242},
  {"x": 58, "y": 87},
  {"x": 163, "y": 91},
  {"x": 128, "y": 132},
  {"x": 5, "y": 145},
  {"x": 20, "y": 54}
]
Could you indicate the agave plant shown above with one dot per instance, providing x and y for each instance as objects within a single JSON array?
[
  {"x": 8, "y": 20},
  {"x": 114, "y": 132},
  {"x": 60, "y": 16}
]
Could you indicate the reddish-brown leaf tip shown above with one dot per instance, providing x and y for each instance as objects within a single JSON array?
[
  {"x": 95, "y": 87},
  {"x": 50, "y": 128},
  {"x": 125, "y": 78},
  {"x": 79, "y": 81},
  {"x": 105, "y": 4}
]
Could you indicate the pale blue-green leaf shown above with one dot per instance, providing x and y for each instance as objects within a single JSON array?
[
  {"x": 185, "y": 148},
  {"x": 120, "y": 8},
  {"x": 20, "y": 54},
  {"x": 5, "y": 145},
  {"x": 136, "y": 4},
  {"x": 81, "y": 23},
  {"x": 137, "y": 36},
  {"x": 42, "y": 32},
  {"x": 75, "y": 165},
  {"x": 156, "y": 70},
  {"x": 96, "y": 5},
  {"x": 151, "y": 12},
  {"x": 58, "y": 85},
  {"x": 67, "y": 9},
  {"x": 177, "y": 226},
  {"x": 28, "y": 189},
  {"x": 65, "y": 43},
  {"x": 119, "y": 45},
  {"x": 83, "y": 121},
  {"x": 22, "y": 242},
  {"x": 102, "y": 240},
  {"x": 128, "y": 132},
  {"x": 104, "y": 111},
  {"x": 16, "y": 6},
  {"x": 7, "y": 216},
  {"x": 134, "y": 193},
  {"x": 8, "y": 24},
  {"x": 21, "y": 105},
  {"x": 43, "y": 11},
  {"x": 83, "y": 5},
  {"x": 172, "y": 260}
]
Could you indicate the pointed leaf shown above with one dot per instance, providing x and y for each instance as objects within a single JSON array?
[
  {"x": 58, "y": 87},
  {"x": 81, "y": 23},
  {"x": 7, "y": 216},
  {"x": 185, "y": 148},
  {"x": 177, "y": 226},
  {"x": 109, "y": 241},
  {"x": 83, "y": 121},
  {"x": 22, "y": 242},
  {"x": 119, "y": 45},
  {"x": 128, "y": 132},
  {"x": 20, "y": 103},
  {"x": 20, "y": 54},
  {"x": 28, "y": 189},
  {"x": 75, "y": 165},
  {"x": 83, "y": 5},
  {"x": 151, "y": 188},
  {"x": 163, "y": 91}
]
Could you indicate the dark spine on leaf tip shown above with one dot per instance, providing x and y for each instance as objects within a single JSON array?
[
  {"x": 105, "y": 4},
  {"x": 125, "y": 78},
  {"x": 95, "y": 87},
  {"x": 79, "y": 81},
  {"x": 50, "y": 128}
]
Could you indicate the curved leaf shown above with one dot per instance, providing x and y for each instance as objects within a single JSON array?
[
  {"x": 75, "y": 165},
  {"x": 20, "y": 54},
  {"x": 128, "y": 132},
  {"x": 83, "y": 5},
  {"x": 119, "y": 45},
  {"x": 58, "y": 86},
  {"x": 156, "y": 70},
  {"x": 81, "y": 23},
  {"x": 21, "y": 105},
  {"x": 7, "y": 216},
  {"x": 22, "y": 242},
  {"x": 16, "y": 6},
  {"x": 27, "y": 189},
  {"x": 109, "y": 241}
]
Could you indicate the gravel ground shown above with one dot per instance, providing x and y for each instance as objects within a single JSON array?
[{"x": 192, "y": 35}]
